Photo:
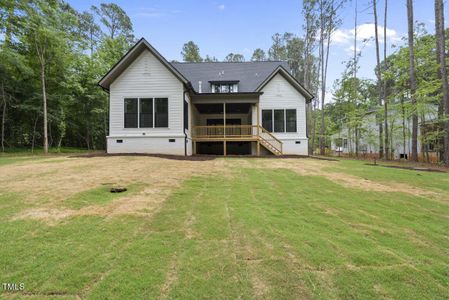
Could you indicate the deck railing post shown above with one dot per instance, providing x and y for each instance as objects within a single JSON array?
[
  {"x": 224, "y": 120},
  {"x": 258, "y": 118}
]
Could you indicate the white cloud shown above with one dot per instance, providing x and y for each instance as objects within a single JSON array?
[
  {"x": 221, "y": 7},
  {"x": 340, "y": 36},
  {"x": 365, "y": 32},
  {"x": 152, "y": 12},
  {"x": 350, "y": 49},
  {"x": 246, "y": 51}
]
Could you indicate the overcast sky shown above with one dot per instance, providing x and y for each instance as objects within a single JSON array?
[{"x": 221, "y": 27}]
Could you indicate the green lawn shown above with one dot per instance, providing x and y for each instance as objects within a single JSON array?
[{"x": 260, "y": 233}]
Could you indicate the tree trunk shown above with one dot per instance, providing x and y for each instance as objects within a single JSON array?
[
  {"x": 412, "y": 80},
  {"x": 404, "y": 141},
  {"x": 59, "y": 142},
  {"x": 441, "y": 50},
  {"x": 3, "y": 117},
  {"x": 314, "y": 129},
  {"x": 379, "y": 80},
  {"x": 34, "y": 134},
  {"x": 314, "y": 109},
  {"x": 355, "y": 78},
  {"x": 441, "y": 102},
  {"x": 387, "y": 143},
  {"x": 44, "y": 100},
  {"x": 323, "y": 90},
  {"x": 322, "y": 80},
  {"x": 87, "y": 138}
]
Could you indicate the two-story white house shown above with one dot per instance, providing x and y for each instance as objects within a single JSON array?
[{"x": 223, "y": 108}]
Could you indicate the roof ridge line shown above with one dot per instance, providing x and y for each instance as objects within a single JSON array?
[{"x": 228, "y": 62}]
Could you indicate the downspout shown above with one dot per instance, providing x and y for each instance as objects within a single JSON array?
[
  {"x": 308, "y": 109},
  {"x": 183, "y": 125}
]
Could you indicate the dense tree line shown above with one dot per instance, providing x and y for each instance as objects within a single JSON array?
[
  {"x": 352, "y": 105},
  {"x": 410, "y": 87},
  {"x": 51, "y": 58}
]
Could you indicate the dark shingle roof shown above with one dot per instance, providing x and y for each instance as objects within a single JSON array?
[{"x": 249, "y": 74}]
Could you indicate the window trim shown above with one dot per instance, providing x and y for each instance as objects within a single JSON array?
[
  {"x": 271, "y": 121},
  {"x": 296, "y": 119},
  {"x": 153, "y": 112},
  {"x": 232, "y": 88},
  {"x": 124, "y": 112},
  {"x": 285, "y": 119}
]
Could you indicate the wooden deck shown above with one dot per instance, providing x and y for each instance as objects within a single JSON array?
[{"x": 237, "y": 133}]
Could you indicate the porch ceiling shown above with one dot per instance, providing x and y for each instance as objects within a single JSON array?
[
  {"x": 225, "y": 97},
  {"x": 231, "y": 108}
]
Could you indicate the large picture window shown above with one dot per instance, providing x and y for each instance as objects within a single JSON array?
[
  {"x": 290, "y": 120},
  {"x": 146, "y": 112},
  {"x": 131, "y": 116},
  {"x": 161, "y": 112},
  {"x": 279, "y": 120},
  {"x": 267, "y": 119}
]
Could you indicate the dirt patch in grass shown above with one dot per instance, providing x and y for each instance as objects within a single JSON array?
[
  {"x": 165, "y": 156},
  {"x": 260, "y": 288},
  {"x": 412, "y": 168},
  {"x": 171, "y": 278},
  {"x": 45, "y": 186},
  {"x": 310, "y": 167}
]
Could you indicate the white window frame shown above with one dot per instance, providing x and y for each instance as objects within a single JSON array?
[
  {"x": 233, "y": 88},
  {"x": 153, "y": 114},
  {"x": 285, "y": 119}
]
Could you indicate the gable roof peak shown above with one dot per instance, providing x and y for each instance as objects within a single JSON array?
[{"x": 129, "y": 58}]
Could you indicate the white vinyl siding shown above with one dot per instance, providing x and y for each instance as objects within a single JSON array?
[
  {"x": 146, "y": 77},
  {"x": 279, "y": 94}
]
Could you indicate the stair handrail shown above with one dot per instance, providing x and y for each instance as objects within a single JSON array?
[{"x": 272, "y": 137}]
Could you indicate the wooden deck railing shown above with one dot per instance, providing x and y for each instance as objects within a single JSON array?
[
  {"x": 267, "y": 136},
  {"x": 239, "y": 132},
  {"x": 222, "y": 131}
]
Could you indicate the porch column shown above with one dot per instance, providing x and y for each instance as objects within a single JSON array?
[
  {"x": 224, "y": 119},
  {"x": 258, "y": 117},
  {"x": 224, "y": 129},
  {"x": 258, "y": 128}
]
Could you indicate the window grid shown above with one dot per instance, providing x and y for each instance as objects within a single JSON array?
[
  {"x": 153, "y": 100},
  {"x": 272, "y": 122}
]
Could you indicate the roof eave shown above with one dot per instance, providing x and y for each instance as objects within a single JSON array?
[
  {"x": 115, "y": 71},
  {"x": 233, "y": 94},
  {"x": 293, "y": 81}
]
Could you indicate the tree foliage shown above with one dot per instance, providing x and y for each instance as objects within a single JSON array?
[
  {"x": 258, "y": 55},
  {"x": 191, "y": 52},
  {"x": 49, "y": 51},
  {"x": 234, "y": 57}
]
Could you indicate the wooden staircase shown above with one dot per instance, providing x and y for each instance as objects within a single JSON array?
[
  {"x": 269, "y": 141},
  {"x": 232, "y": 133}
]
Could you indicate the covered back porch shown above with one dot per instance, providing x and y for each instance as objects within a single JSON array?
[{"x": 230, "y": 125}]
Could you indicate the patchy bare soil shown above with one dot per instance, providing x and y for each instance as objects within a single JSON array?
[
  {"x": 46, "y": 184},
  {"x": 313, "y": 167}
]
